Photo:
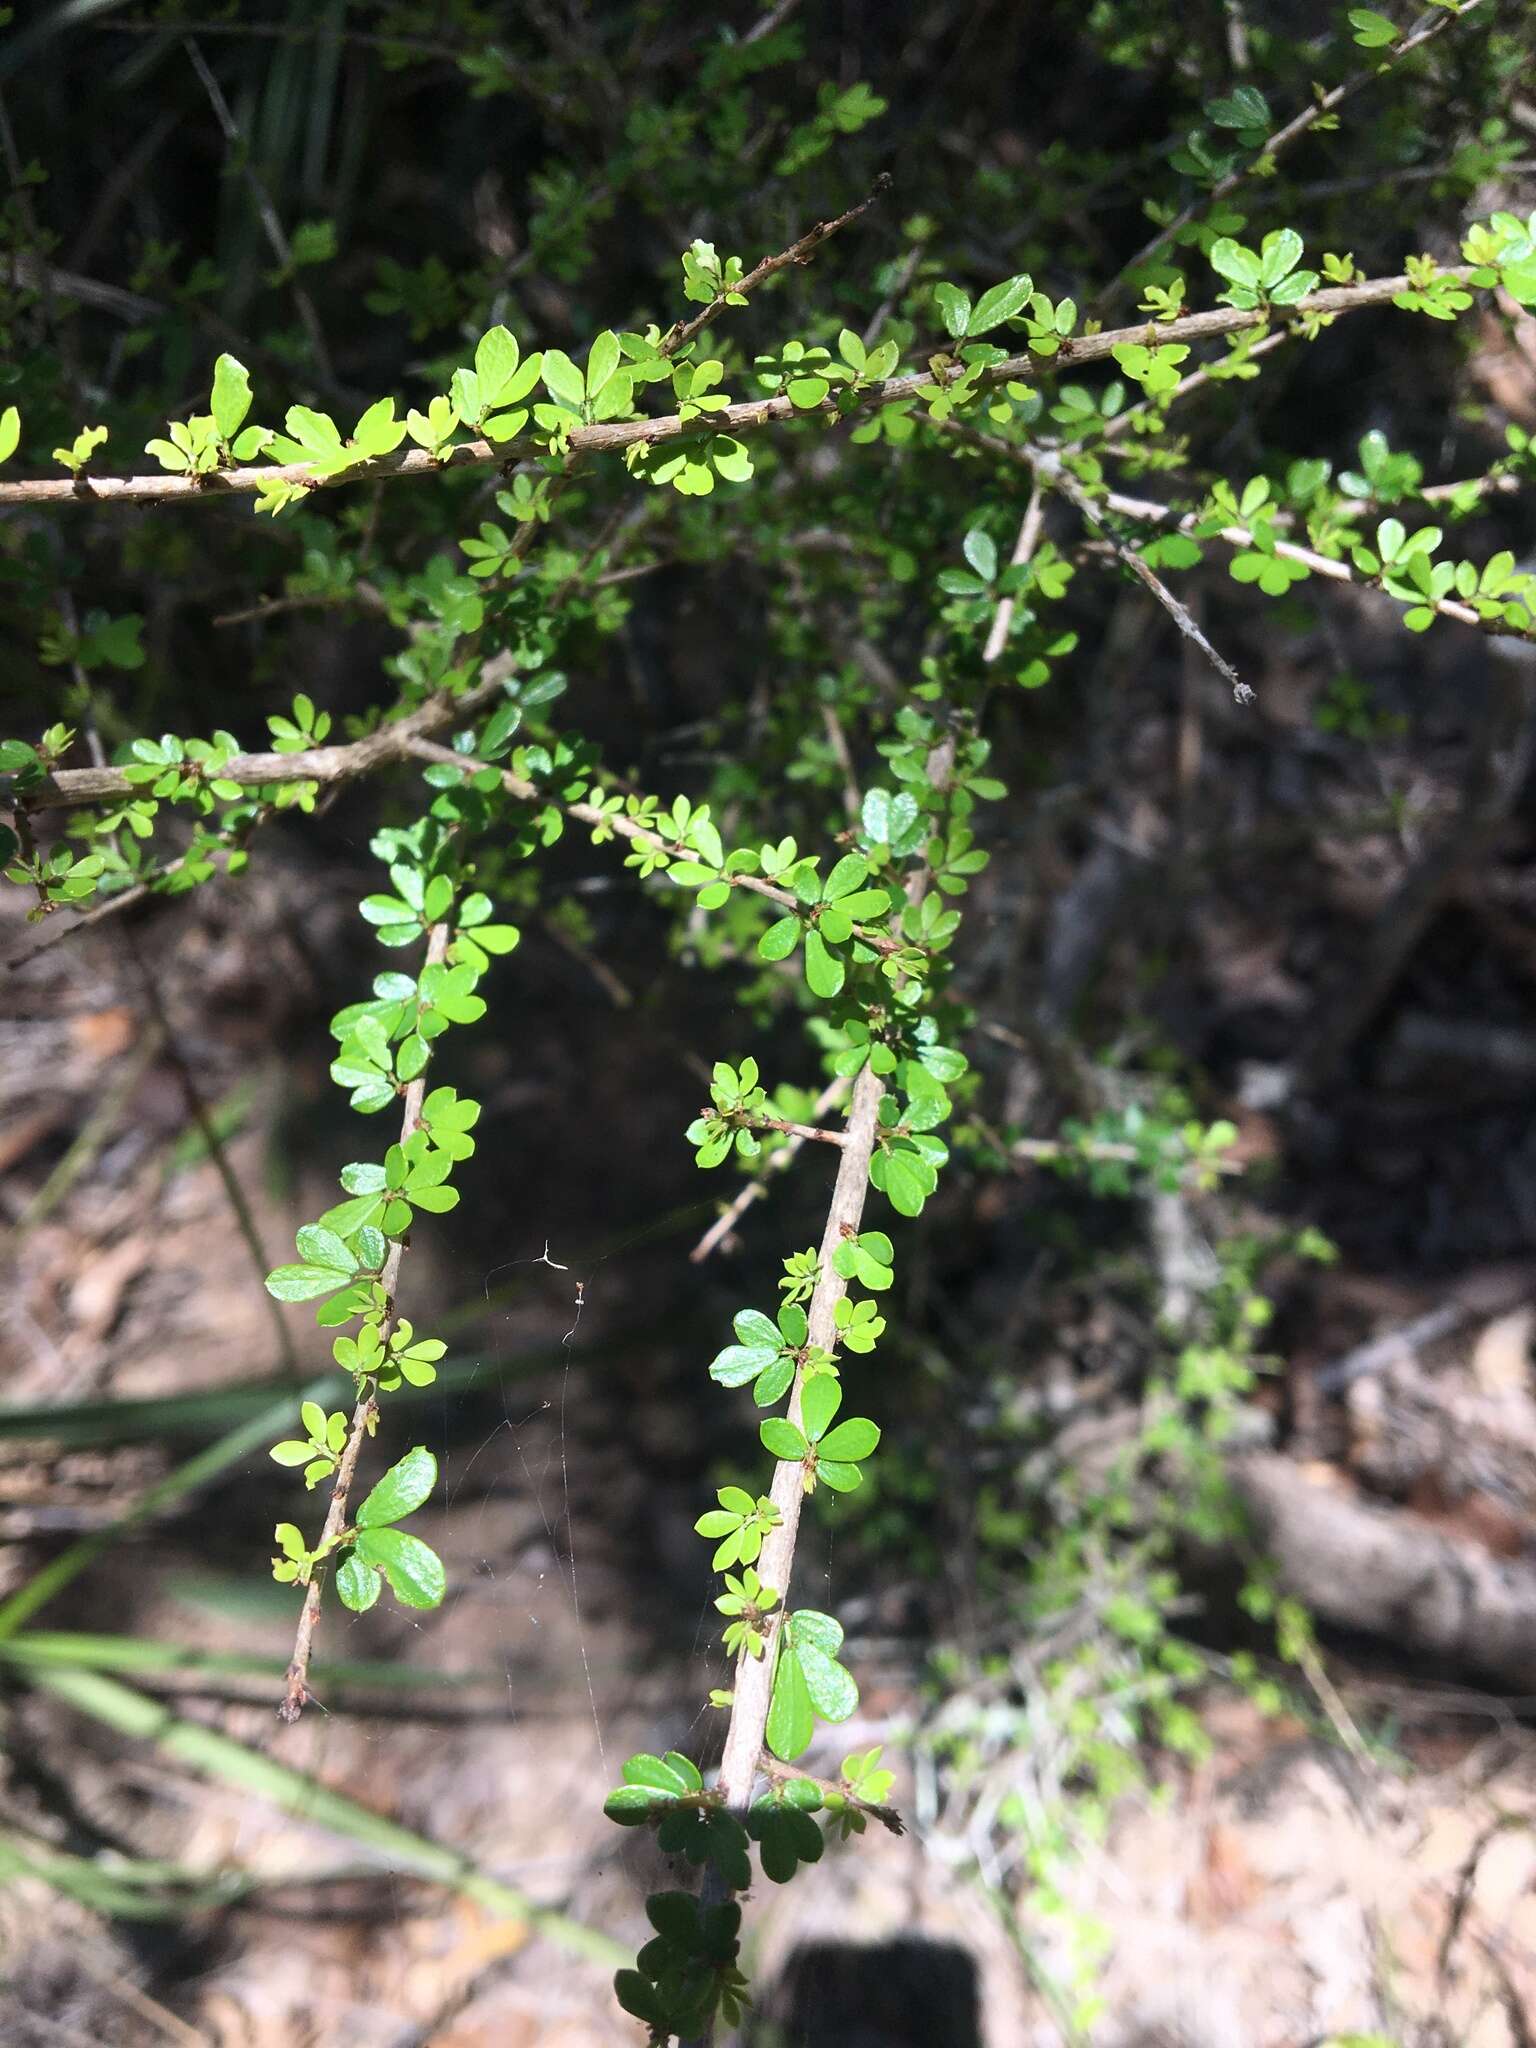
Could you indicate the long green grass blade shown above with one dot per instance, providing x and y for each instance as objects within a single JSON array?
[
  {"x": 66, "y": 1647},
  {"x": 216, "y": 1755},
  {"x": 208, "y": 1464},
  {"x": 200, "y": 1413}
]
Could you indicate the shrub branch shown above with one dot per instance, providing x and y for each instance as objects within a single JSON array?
[{"x": 296, "y": 1686}]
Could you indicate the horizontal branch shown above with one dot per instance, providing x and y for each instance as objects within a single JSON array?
[
  {"x": 1321, "y": 565},
  {"x": 793, "y": 1130},
  {"x": 312, "y": 764},
  {"x": 1038, "y": 1151},
  {"x": 1047, "y": 463},
  {"x": 624, "y": 828},
  {"x": 746, "y": 417}
]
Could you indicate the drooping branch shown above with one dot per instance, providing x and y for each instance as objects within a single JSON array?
[
  {"x": 1052, "y": 470},
  {"x": 296, "y": 1683},
  {"x": 746, "y": 1735},
  {"x": 245, "y": 480}
]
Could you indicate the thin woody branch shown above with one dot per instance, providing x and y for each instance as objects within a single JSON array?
[
  {"x": 788, "y": 1774},
  {"x": 1290, "y": 131},
  {"x": 682, "y": 332},
  {"x": 626, "y": 828},
  {"x": 746, "y": 1735},
  {"x": 1041, "y": 1151},
  {"x": 247, "y": 479},
  {"x": 296, "y": 1685},
  {"x": 1234, "y": 535},
  {"x": 793, "y": 1130},
  {"x": 1210, "y": 373},
  {"x": 1023, "y": 547},
  {"x": 314, "y": 764},
  {"x": 1050, "y": 467},
  {"x": 756, "y": 1188}
]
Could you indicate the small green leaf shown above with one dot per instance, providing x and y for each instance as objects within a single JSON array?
[
  {"x": 357, "y": 1584},
  {"x": 829, "y": 1684},
  {"x": 321, "y": 1247},
  {"x": 655, "y": 1774},
  {"x": 954, "y": 308},
  {"x": 401, "y": 1491},
  {"x": 850, "y": 1441},
  {"x": 303, "y": 1283},
  {"x": 791, "y": 1716},
  {"x": 781, "y": 939},
  {"x": 783, "y": 1440},
  {"x": 1000, "y": 303},
  {"x": 981, "y": 553},
  {"x": 231, "y": 399},
  {"x": 819, "y": 1403},
  {"x": 823, "y": 970},
  {"x": 414, "y": 1570}
]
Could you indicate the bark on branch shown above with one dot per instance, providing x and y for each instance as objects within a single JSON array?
[{"x": 245, "y": 480}]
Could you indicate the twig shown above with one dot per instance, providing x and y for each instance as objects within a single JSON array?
[
  {"x": 787, "y": 1774},
  {"x": 1237, "y": 536},
  {"x": 362, "y": 592},
  {"x": 26, "y": 214},
  {"x": 748, "y": 416},
  {"x": 679, "y": 335},
  {"x": 1046, "y": 1149},
  {"x": 623, "y": 828},
  {"x": 1023, "y": 548},
  {"x": 1409, "y": 1339},
  {"x": 898, "y": 284},
  {"x": 314, "y": 764},
  {"x": 1061, "y": 479},
  {"x": 1431, "y": 26},
  {"x": 1321, "y": 565},
  {"x": 139, "y": 2001},
  {"x": 767, "y": 23},
  {"x": 753, "y": 1191},
  {"x": 296, "y": 1688},
  {"x": 617, "y": 992},
  {"x": 59, "y": 927},
  {"x": 197, "y": 1109},
  {"x": 810, "y": 1132},
  {"x": 266, "y": 212}
]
